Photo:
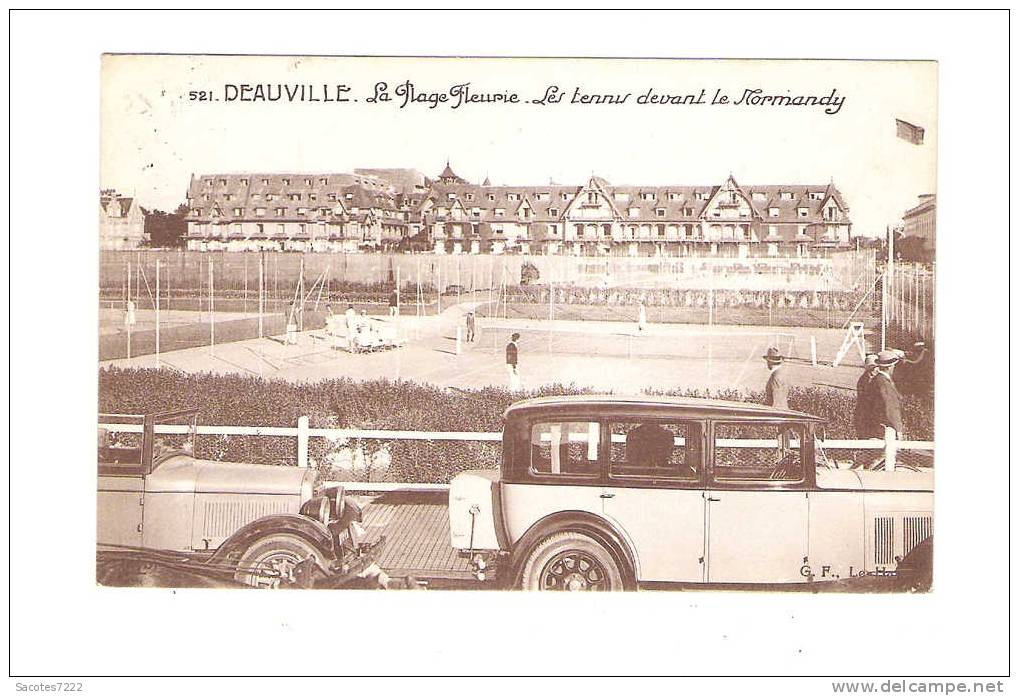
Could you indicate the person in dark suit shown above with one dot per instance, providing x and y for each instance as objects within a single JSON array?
[
  {"x": 512, "y": 355},
  {"x": 862, "y": 414},
  {"x": 885, "y": 404},
  {"x": 776, "y": 391},
  {"x": 470, "y": 327}
]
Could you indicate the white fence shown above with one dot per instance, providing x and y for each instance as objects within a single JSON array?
[{"x": 303, "y": 433}]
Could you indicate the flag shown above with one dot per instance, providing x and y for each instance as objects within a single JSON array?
[{"x": 909, "y": 132}]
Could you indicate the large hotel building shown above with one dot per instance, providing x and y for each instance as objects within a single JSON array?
[{"x": 372, "y": 209}]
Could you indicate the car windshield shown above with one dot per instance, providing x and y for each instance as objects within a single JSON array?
[{"x": 133, "y": 444}]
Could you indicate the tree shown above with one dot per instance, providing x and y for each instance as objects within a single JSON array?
[{"x": 166, "y": 229}]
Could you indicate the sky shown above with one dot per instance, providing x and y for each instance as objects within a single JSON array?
[{"x": 154, "y": 135}]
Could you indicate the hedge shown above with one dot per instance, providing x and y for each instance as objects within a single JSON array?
[{"x": 392, "y": 405}]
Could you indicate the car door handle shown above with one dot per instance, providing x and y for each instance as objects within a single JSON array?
[
  {"x": 607, "y": 495},
  {"x": 713, "y": 500}
]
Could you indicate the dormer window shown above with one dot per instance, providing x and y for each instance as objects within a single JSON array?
[
  {"x": 450, "y": 196},
  {"x": 307, "y": 182},
  {"x": 673, "y": 196},
  {"x": 332, "y": 197},
  {"x": 280, "y": 212},
  {"x": 759, "y": 196},
  {"x": 647, "y": 196},
  {"x": 592, "y": 198},
  {"x": 269, "y": 196},
  {"x": 513, "y": 196},
  {"x": 634, "y": 212},
  {"x": 349, "y": 196},
  {"x": 228, "y": 197},
  {"x": 499, "y": 212},
  {"x": 237, "y": 212},
  {"x": 265, "y": 182},
  {"x": 786, "y": 195},
  {"x": 312, "y": 197},
  {"x": 323, "y": 181},
  {"x": 222, "y": 183},
  {"x": 566, "y": 196},
  {"x": 491, "y": 197},
  {"x": 660, "y": 212},
  {"x": 621, "y": 196},
  {"x": 816, "y": 195},
  {"x": 802, "y": 211},
  {"x": 207, "y": 197},
  {"x": 208, "y": 183},
  {"x": 302, "y": 211},
  {"x": 773, "y": 212},
  {"x": 469, "y": 196},
  {"x": 286, "y": 182},
  {"x": 295, "y": 196},
  {"x": 553, "y": 212},
  {"x": 197, "y": 212}
]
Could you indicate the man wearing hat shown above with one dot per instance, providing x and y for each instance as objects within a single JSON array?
[
  {"x": 862, "y": 414},
  {"x": 883, "y": 399},
  {"x": 776, "y": 391}
]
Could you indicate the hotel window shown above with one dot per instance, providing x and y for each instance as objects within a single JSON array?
[
  {"x": 699, "y": 195},
  {"x": 606, "y": 230},
  {"x": 647, "y": 196},
  {"x": 222, "y": 182},
  {"x": 553, "y": 212},
  {"x": 469, "y": 196},
  {"x": 579, "y": 229},
  {"x": 323, "y": 181},
  {"x": 280, "y": 212},
  {"x": 525, "y": 213},
  {"x": 307, "y": 182},
  {"x": 450, "y": 196},
  {"x": 660, "y": 212},
  {"x": 286, "y": 182},
  {"x": 244, "y": 182},
  {"x": 208, "y": 182},
  {"x": 237, "y": 212},
  {"x": 513, "y": 196},
  {"x": 227, "y": 197},
  {"x": 773, "y": 212},
  {"x": 207, "y": 197},
  {"x": 759, "y": 196},
  {"x": 621, "y": 196},
  {"x": 491, "y": 197},
  {"x": 802, "y": 212},
  {"x": 261, "y": 229},
  {"x": 295, "y": 196},
  {"x": 302, "y": 228},
  {"x": 634, "y": 212},
  {"x": 332, "y": 197},
  {"x": 688, "y": 211},
  {"x": 592, "y": 198},
  {"x": 256, "y": 196},
  {"x": 499, "y": 212},
  {"x": 312, "y": 197},
  {"x": 269, "y": 196},
  {"x": 349, "y": 196},
  {"x": 197, "y": 212},
  {"x": 259, "y": 212},
  {"x": 265, "y": 182},
  {"x": 566, "y": 196},
  {"x": 772, "y": 230},
  {"x": 281, "y": 229},
  {"x": 786, "y": 195},
  {"x": 661, "y": 230},
  {"x": 542, "y": 196},
  {"x": 302, "y": 211},
  {"x": 673, "y": 196},
  {"x": 553, "y": 229}
]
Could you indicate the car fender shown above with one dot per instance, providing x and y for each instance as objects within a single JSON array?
[
  {"x": 577, "y": 521},
  {"x": 916, "y": 570},
  {"x": 312, "y": 531}
]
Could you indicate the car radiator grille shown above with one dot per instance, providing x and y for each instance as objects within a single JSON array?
[
  {"x": 914, "y": 530},
  {"x": 224, "y": 517}
]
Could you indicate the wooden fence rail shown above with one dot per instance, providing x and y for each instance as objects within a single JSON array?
[{"x": 304, "y": 433}]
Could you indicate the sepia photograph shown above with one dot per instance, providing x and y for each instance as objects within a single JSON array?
[{"x": 529, "y": 324}]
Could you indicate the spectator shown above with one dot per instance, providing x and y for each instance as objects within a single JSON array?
[
  {"x": 394, "y": 303},
  {"x": 470, "y": 327},
  {"x": 511, "y": 362},
  {"x": 885, "y": 403},
  {"x": 862, "y": 414},
  {"x": 641, "y": 318},
  {"x": 776, "y": 391}
]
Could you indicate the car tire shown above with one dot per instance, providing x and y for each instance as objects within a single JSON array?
[
  {"x": 269, "y": 562},
  {"x": 570, "y": 561}
]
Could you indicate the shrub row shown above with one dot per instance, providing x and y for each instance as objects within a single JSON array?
[{"x": 390, "y": 405}]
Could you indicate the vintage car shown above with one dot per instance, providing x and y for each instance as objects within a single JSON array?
[
  {"x": 610, "y": 493},
  {"x": 178, "y": 519}
]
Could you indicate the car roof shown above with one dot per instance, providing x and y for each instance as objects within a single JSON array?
[{"x": 688, "y": 407}]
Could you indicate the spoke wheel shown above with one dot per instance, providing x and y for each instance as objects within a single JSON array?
[
  {"x": 269, "y": 562},
  {"x": 570, "y": 562}
]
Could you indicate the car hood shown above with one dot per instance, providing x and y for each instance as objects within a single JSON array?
[
  {"x": 182, "y": 474},
  {"x": 857, "y": 479}
]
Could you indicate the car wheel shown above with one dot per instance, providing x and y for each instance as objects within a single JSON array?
[
  {"x": 269, "y": 562},
  {"x": 570, "y": 561}
]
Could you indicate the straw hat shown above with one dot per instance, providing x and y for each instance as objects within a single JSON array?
[
  {"x": 887, "y": 358},
  {"x": 773, "y": 357},
  {"x": 870, "y": 360}
]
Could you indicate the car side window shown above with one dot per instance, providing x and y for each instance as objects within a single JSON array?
[
  {"x": 758, "y": 452},
  {"x": 565, "y": 448},
  {"x": 653, "y": 450}
]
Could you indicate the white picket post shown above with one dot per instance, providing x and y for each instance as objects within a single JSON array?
[{"x": 302, "y": 441}]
